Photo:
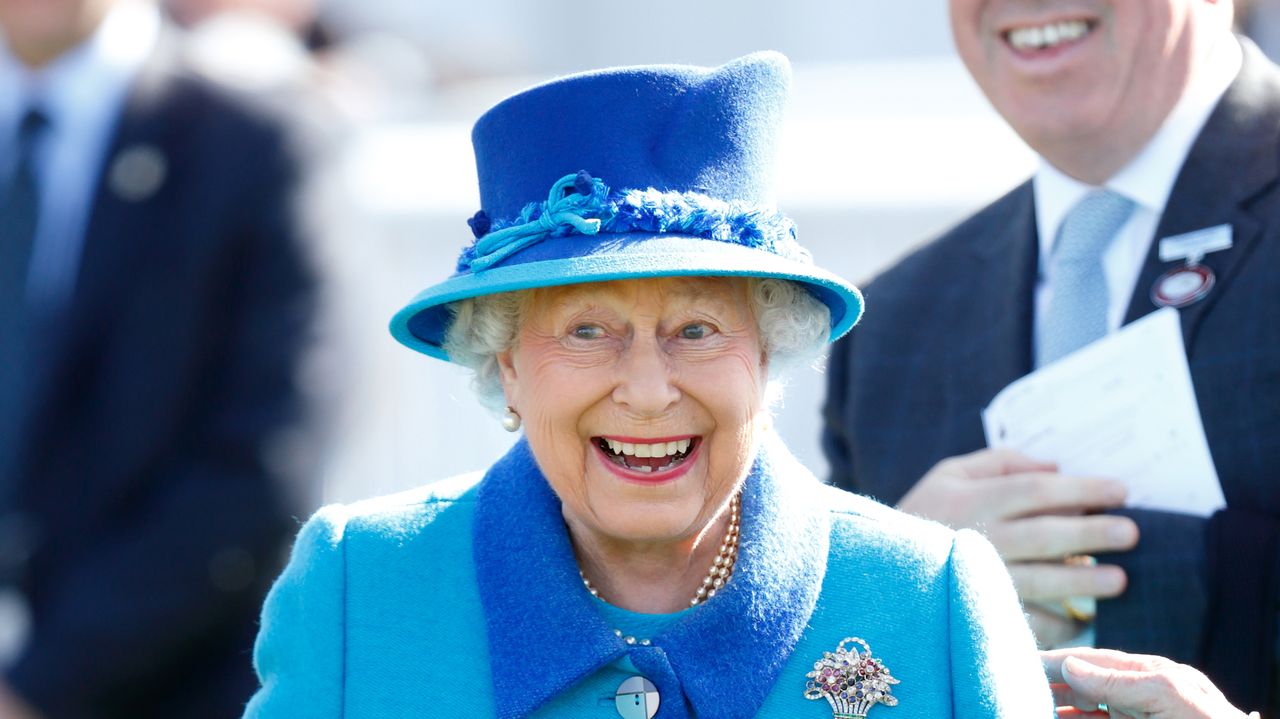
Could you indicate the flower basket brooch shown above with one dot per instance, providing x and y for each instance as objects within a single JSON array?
[{"x": 850, "y": 681}]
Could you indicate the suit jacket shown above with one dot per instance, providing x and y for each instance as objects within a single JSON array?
[
  {"x": 144, "y": 518},
  {"x": 464, "y": 600},
  {"x": 951, "y": 325}
]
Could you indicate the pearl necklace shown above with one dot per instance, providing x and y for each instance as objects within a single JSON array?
[{"x": 720, "y": 571}]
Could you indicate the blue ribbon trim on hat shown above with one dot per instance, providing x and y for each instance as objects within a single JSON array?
[{"x": 583, "y": 205}]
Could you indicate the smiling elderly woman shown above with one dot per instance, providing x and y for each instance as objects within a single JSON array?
[{"x": 649, "y": 547}]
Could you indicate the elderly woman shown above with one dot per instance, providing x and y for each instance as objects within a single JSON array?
[{"x": 649, "y": 547}]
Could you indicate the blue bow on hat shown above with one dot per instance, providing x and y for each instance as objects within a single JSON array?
[{"x": 652, "y": 171}]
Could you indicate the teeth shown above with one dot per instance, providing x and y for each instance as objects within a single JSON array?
[
  {"x": 1044, "y": 36},
  {"x": 1027, "y": 37},
  {"x": 655, "y": 449},
  {"x": 1073, "y": 30}
]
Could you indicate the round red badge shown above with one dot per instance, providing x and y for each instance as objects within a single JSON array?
[{"x": 1182, "y": 286}]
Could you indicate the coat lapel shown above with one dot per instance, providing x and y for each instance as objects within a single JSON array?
[
  {"x": 123, "y": 219},
  {"x": 544, "y": 635},
  {"x": 1222, "y": 173},
  {"x": 1005, "y": 271},
  {"x": 730, "y": 652}
]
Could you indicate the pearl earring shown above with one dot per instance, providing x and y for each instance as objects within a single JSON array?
[{"x": 510, "y": 420}]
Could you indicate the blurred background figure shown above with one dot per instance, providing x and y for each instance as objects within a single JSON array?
[
  {"x": 361, "y": 72},
  {"x": 298, "y": 16},
  {"x": 156, "y": 297},
  {"x": 261, "y": 43}
]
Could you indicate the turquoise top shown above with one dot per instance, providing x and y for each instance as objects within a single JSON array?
[
  {"x": 635, "y": 624},
  {"x": 463, "y": 600}
]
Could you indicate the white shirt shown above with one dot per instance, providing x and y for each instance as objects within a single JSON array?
[
  {"x": 1147, "y": 180},
  {"x": 82, "y": 93}
]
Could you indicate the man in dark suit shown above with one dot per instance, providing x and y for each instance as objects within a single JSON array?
[
  {"x": 1153, "y": 107},
  {"x": 155, "y": 302}
]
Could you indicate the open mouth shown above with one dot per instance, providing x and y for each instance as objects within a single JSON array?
[
  {"x": 1048, "y": 36},
  {"x": 657, "y": 456}
]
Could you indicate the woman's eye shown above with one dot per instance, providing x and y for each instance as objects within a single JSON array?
[
  {"x": 587, "y": 332},
  {"x": 694, "y": 331}
]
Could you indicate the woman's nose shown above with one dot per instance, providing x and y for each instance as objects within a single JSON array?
[{"x": 645, "y": 382}]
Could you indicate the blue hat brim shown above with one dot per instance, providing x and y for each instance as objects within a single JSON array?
[{"x": 421, "y": 325}]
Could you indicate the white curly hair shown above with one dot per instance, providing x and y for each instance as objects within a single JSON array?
[{"x": 793, "y": 326}]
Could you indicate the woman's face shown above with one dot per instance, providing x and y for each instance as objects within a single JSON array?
[{"x": 604, "y": 374}]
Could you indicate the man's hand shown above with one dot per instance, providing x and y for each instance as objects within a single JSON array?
[
  {"x": 1131, "y": 685},
  {"x": 1036, "y": 518}
]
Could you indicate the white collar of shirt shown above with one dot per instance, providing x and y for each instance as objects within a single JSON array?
[{"x": 1147, "y": 180}]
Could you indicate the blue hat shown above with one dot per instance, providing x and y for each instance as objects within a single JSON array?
[{"x": 627, "y": 173}]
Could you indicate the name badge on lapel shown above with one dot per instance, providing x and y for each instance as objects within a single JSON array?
[{"x": 1191, "y": 282}]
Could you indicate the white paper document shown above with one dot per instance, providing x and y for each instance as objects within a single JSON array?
[{"x": 1123, "y": 408}]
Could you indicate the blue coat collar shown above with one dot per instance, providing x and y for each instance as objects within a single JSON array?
[{"x": 724, "y": 657}]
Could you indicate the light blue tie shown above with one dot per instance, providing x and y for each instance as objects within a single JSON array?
[{"x": 1077, "y": 313}]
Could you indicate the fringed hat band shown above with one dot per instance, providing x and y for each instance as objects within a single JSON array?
[{"x": 580, "y": 204}]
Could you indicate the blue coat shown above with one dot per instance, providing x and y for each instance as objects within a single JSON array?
[{"x": 463, "y": 599}]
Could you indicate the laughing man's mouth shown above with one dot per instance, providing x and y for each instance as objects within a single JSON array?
[
  {"x": 647, "y": 456},
  {"x": 1050, "y": 35}
]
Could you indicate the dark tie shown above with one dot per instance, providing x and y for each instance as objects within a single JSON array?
[{"x": 19, "y": 209}]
